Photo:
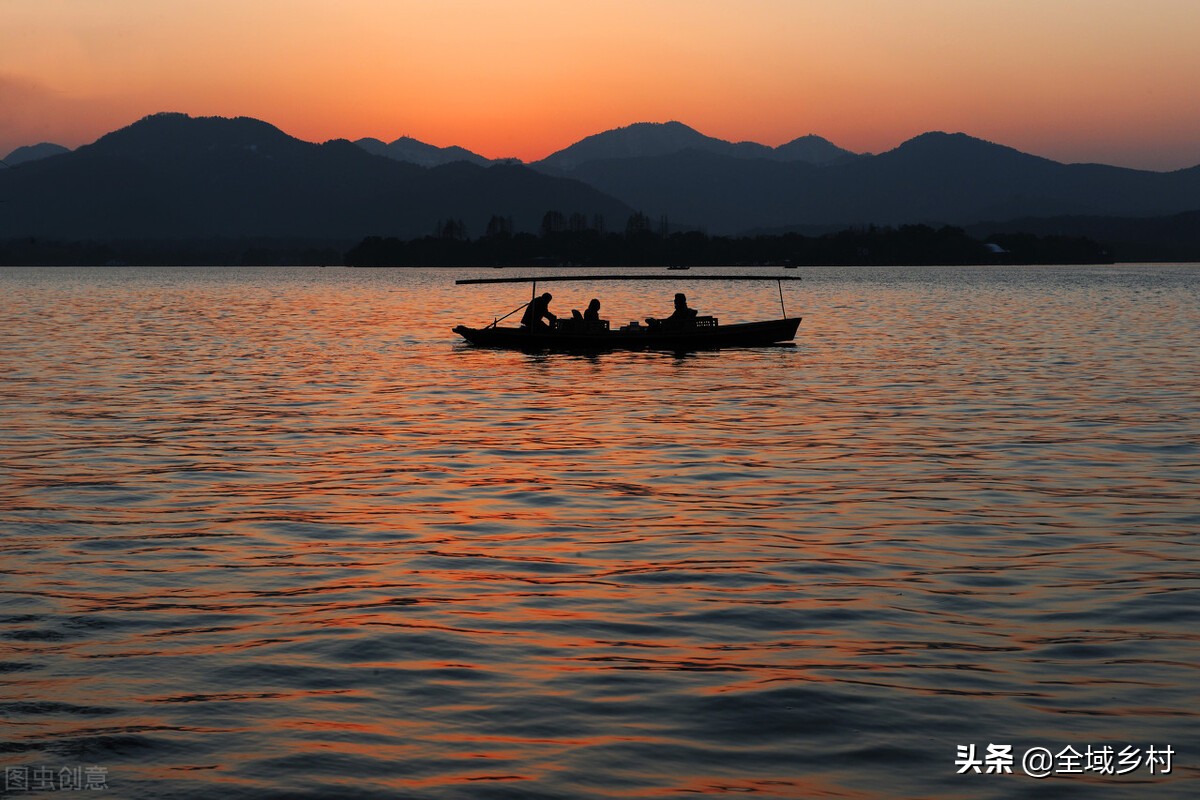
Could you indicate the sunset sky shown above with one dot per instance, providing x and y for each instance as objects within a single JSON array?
[{"x": 1112, "y": 81}]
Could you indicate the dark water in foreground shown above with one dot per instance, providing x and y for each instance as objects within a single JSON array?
[{"x": 275, "y": 533}]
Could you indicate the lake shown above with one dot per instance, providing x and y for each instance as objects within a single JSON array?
[{"x": 279, "y": 533}]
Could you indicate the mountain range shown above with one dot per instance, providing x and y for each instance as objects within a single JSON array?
[
  {"x": 934, "y": 178},
  {"x": 170, "y": 176},
  {"x": 173, "y": 176}
]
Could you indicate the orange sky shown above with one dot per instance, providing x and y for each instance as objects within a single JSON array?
[{"x": 1115, "y": 81}]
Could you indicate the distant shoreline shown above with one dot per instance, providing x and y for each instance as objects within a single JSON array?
[
  {"x": 1062, "y": 240},
  {"x": 872, "y": 246}
]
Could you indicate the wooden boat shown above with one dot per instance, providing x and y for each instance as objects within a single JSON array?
[{"x": 569, "y": 334}]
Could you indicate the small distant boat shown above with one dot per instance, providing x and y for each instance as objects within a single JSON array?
[
  {"x": 677, "y": 267},
  {"x": 577, "y": 335}
]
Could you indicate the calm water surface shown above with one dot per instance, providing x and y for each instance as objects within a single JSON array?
[{"x": 276, "y": 533}]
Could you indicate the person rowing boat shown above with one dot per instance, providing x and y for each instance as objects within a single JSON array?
[{"x": 537, "y": 311}]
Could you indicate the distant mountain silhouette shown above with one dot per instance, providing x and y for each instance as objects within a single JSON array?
[
  {"x": 650, "y": 139},
  {"x": 814, "y": 150},
  {"x": 935, "y": 178},
  {"x": 959, "y": 179},
  {"x": 34, "y": 152},
  {"x": 412, "y": 151},
  {"x": 171, "y": 176}
]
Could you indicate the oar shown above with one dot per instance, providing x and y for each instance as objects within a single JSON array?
[{"x": 496, "y": 322}]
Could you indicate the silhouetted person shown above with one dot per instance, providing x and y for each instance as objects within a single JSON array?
[
  {"x": 589, "y": 319},
  {"x": 683, "y": 317},
  {"x": 537, "y": 311}
]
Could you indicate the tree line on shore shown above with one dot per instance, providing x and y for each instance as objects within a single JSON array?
[{"x": 576, "y": 241}]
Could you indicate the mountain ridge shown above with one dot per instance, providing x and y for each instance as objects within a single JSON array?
[
  {"x": 650, "y": 139},
  {"x": 34, "y": 152},
  {"x": 809, "y": 148},
  {"x": 934, "y": 178},
  {"x": 171, "y": 175},
  {"x": 413, "y": 151}
]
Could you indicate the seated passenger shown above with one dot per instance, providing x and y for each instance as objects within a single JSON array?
[
  {"x": 589, "y": 318},
  {"x": 682, "y": 317}
]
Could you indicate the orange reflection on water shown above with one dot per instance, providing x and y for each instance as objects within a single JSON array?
[{"x": 277, "y": 531}]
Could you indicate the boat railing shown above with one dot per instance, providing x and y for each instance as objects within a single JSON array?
[
  {"x": 572, "y": 325},
  {"x": 680, "y": 325}
]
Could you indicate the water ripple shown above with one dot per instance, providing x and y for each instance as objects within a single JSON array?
[{"x": 274, "y": 533}]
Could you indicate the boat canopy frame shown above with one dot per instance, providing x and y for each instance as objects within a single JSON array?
[{"x": 534, "y": 279}]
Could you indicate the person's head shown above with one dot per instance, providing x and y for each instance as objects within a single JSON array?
[
  {"x": 680, "y": 300},
  {"x": 547, "y": 297},
  {"x": 594, "y": 305}
]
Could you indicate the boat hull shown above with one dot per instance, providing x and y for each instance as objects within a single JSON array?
[{"x": 746, "y": 334}]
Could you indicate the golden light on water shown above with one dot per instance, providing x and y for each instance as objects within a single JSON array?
[{"x": 278, "y": 531}]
